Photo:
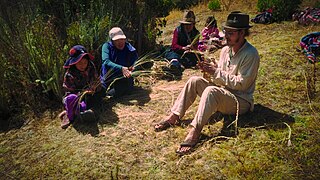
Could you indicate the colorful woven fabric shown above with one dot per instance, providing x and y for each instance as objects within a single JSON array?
[
  {"x": 263, "y": 18},
  {"x": 310, "y": 45},
  {"x": 307, "y": 16}
]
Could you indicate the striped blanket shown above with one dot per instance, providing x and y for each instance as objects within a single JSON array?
[
  {"x": 310, "y": 45},
  {"x": 307, "y": 16}
]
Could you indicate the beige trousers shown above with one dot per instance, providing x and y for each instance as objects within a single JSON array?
[{"x": 213, "y": 99}]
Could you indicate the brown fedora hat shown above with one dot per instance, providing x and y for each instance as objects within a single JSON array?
[
  {"x": 188, "y": 17},
  {"x": 237, "y": 20}
]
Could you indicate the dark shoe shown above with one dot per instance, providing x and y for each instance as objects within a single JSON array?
[
  {"x": 65, "y": 121},
  {"x": 87, "y": 116},
  {"x": 188, "y": 143},
  {"x": 163, "y": 125},
  {"x": 111, "y": 93}
]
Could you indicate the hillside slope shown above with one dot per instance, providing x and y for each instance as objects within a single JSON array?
[{"x": 280, "y": 140}]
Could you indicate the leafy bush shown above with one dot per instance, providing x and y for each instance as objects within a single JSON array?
[
  {"x": 282, "y": 9},
  {"x": 35, "y": 37},
  {"x": 45, "y": 56},
  {"x": 214, "y": 5}
]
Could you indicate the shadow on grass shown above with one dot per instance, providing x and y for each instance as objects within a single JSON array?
[
  {"x": 15, "y": 118},
  {"x": 264, "y": 116},
  {"x": 8, "y": 123},
  {"x": 139, "y": 96},
  {"x": 261, "y": 118},
  {"x": 105, "y": 114}
]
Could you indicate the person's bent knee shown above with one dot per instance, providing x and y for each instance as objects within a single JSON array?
[
  {"x": 210, "y": 90},
  {"x": 210, "y": 93},
  {"x": 69, "y": 98},
  {"x": 195, "y": 79}
]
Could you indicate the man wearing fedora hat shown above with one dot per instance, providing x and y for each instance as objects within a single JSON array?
[
  {"x": 233, "y": 83},
  {"x": 184, "y": 39}
]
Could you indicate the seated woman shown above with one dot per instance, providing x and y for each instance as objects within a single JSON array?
[
  {"x": 118, "y": 58},
  {"x": 185, "y": 39},
  {"x": 82, "y": 87},
  {"x": 210, "y": 31}
]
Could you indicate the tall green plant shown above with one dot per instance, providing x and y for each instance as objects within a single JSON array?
[
  {"x": 90, "y": 33},
  {"x": 4, "y": 94},
  {"x": 35, "y": 36},
  {"x": 15, "y": 85},
  {"x": 45, "y": 55}
]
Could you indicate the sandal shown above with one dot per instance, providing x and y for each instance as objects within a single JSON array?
[
  {"x": 187, "y": 143},
  {"x": 165, "y": 125}
]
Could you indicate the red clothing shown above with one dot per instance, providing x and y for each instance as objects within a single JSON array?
[
  {"x": 180, "y": 39},
  {"x": 76, "y": 81},
  {"x": 209, "y": 32},
  {"x": 175, "y": 45}
]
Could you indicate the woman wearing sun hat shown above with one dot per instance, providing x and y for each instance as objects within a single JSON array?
[
  {"x": 184, "y": 40},
  {"x": 118, "y": 58},
  {"x": 81, "y": 78}
]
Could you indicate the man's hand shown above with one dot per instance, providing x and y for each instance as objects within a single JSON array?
[
  {"x": 126, "y": 72},
  {"x": 209, "y": 67},
  {"x": 187, "y": 48},
  {"x": 89, "y": 91},
  {"x": 131, "y": 68}
]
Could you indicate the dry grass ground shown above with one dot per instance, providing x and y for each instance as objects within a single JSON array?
[{"x": 123, "y": 144}]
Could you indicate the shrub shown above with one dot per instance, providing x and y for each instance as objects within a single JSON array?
[
  {"x": 35, "y": 37},
  {"x": 282, "y": 9},
  {"x": 23, "y": 56},
  {"x": 214, "y": 5}
]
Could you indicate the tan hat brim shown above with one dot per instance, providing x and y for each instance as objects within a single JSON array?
[
  {"x": 185, "y": 22},
  {"x": 119, "y": 37}
]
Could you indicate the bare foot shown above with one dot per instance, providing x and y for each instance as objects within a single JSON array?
[
  {"x": 62, "y": 114},
  {"x": 171, "y": 120},
  {"x": 190, "y": 141}
]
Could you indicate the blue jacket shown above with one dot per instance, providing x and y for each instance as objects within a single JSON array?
[{"x": 114, "y": 59}]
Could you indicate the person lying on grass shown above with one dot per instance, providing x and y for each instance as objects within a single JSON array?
[
  {"x": 233, "y": 83},
  {"x": 118, "y": 58},
  {"x": 82, "y": 87}
]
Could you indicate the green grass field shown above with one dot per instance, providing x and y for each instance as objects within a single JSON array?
[{"x": 280, "y": 140}]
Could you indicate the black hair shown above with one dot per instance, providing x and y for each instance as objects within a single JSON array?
[
  {"x": 86, "y": 56},
  {"x": 211, "y": 21},
  {"x": 246, "y": 32}
]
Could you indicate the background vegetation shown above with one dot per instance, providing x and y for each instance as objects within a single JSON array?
[
  {"x": 35, "y": 37},
  {"x": 281, "y": 9},
  {"x": 280, "y": 140}
]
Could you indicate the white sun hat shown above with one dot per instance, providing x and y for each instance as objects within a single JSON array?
[{"x": 116, "y": 33}]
